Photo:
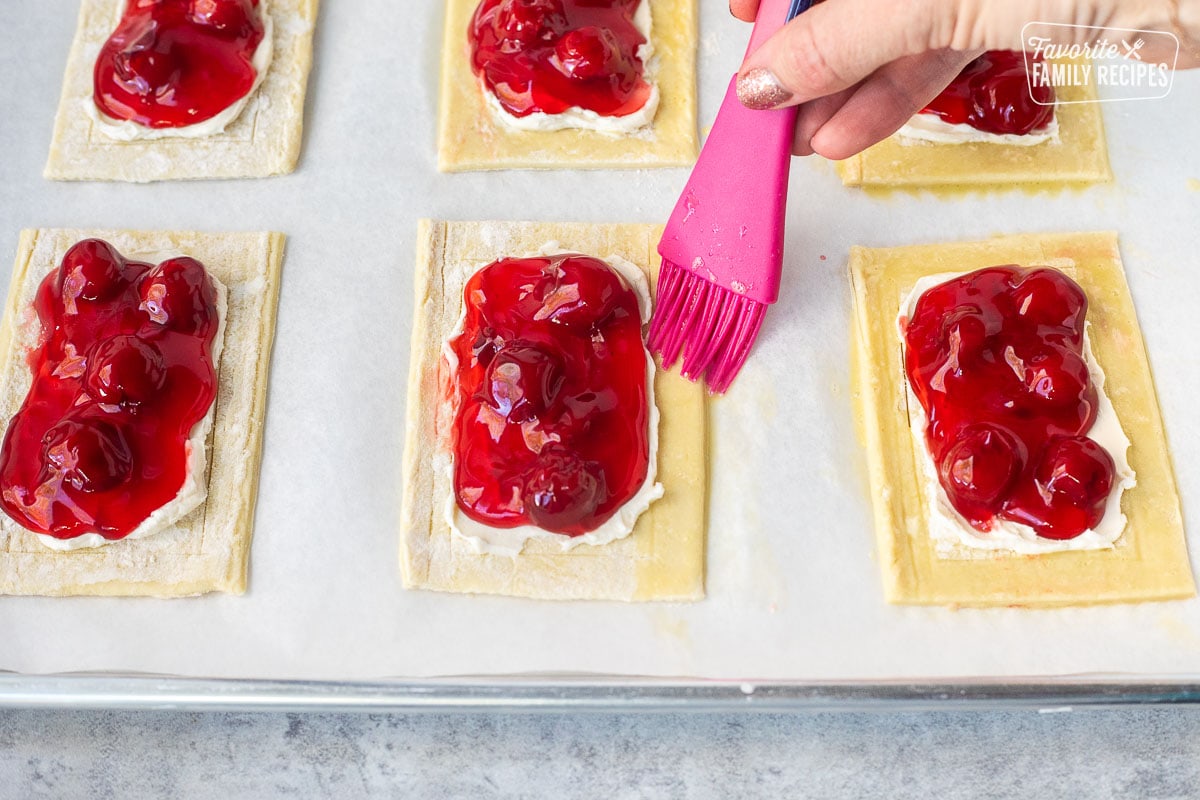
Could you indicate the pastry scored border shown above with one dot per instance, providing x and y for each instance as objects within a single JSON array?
[
  {"x": 469, "y": 138},
  {"x": 208, "y": 550},
  {"x": 1151, "y": 559},
  {"x": 663, "y": 559},
  {"x": 1081, "y": 156},
  {"x": 264, "y": 140}
]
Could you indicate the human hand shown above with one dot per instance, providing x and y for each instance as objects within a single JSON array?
[{"x": 859, "y": 69}]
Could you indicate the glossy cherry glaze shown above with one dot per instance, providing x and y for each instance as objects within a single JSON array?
[
  {"x": 552, "y": 420},
  {"x": 993, "y": 94},
  {"x": 173, "y": 63},
  {"x": 123, "y": 372},
  {"x": 996, "y": 360},
  {"x": 552, "y": 55}
]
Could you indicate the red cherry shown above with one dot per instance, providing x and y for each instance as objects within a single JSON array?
[
  {"x": 125, "y": 369},
  {"x": 950, "y": 355},
  {"x": 1003, "y": 104},
  {"x": 965, "y": 333},
  {"x": 524, "y": 22},
  {"x": 944, "y": 296},
  {"x": 1074, "y": 478},
  {"x": 563, "y": 490},
  {"x": 522, "y": 380},
  {"x": 1004, "y": 399},
  {"x": 1048, "y": 297},
  {"x": 90, "y": 453},
  {"x": 978, "y": 469},
  {"x": 956, "y": 109},
  {"x": 233, "y": 17},
  {"x": 583, "y": 294},
  {"x": 179, "y": 295},
  {"x": 144, "y": 64},
  {"x": 1056, "y": 376},
  {"x": 91, "y": 270},
  {"x": 588, "y": 52},
  {"x": 935, "y": 313},
  {"x": 992, "y": 93}
]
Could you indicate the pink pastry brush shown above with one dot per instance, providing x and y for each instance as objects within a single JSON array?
[{"x": 722, "y": 249}]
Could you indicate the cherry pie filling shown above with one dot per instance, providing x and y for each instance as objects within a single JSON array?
[
  {"x": 552, "y": 411},
  {"x": 996, "y": 360},
  {"x": 174, "y": 63},
  {"x": 993, "y": 94},
  {"x": 552, "y": 55},
  {"x": 122, "y": 373}
]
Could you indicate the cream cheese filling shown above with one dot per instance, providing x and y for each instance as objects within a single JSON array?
[
  {"x": 194, "y": 490},
  {"x": 934, "y": 129},
  {"x": 584, "y": 118},
  {"x": 127, "y": 130},
  {"x": 951, "y": 532},
  {"x": 511, "y": 541}
]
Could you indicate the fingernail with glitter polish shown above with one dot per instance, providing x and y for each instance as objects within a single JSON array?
[{"x": 760, "y": 89}]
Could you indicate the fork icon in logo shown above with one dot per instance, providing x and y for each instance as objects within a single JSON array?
[{"x": 1131, "y": 50}]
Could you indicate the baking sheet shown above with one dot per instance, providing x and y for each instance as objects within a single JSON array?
[{"x": 794, "y": 591}]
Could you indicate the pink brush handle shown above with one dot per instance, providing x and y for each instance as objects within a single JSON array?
[
  {"x": 772, "y": 15},
  {"x": 728, "y": 225}
]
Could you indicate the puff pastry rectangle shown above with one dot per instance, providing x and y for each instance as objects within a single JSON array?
[
  {"x": 470, "y": 138},
  {"x": 1150, "y": 561},
  {"x": 1080, "y": 157},
  {"x": 264, "y": 139},
  {"x": 208, "y": 550},
  {"x": 663, "y": 559}
]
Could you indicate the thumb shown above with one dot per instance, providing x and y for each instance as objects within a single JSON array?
[{"x": 833, "y": 46}]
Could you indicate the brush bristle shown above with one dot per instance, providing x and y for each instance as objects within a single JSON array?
[{"x": 713, "y": 327}]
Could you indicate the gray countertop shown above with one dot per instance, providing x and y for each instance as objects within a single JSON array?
[{"x": 1128, "y": 753}]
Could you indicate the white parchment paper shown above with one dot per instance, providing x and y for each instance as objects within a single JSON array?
[{"x": 794, "y": 590}]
